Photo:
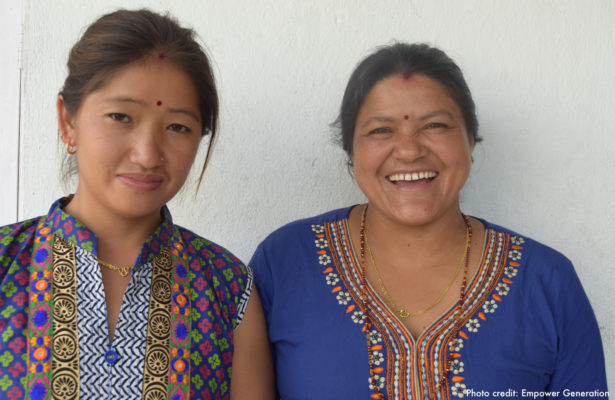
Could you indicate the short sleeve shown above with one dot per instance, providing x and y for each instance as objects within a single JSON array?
[
  {"x": 580, "y": 365},
  {"x": 242, "y": 301},
  {"x": 221, "y": 283},
  {"x": 263, "y": 277}
]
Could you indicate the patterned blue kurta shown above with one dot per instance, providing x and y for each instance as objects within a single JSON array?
[
  {"x": 527, "y": 325},
  {"x": 203, "y": 312}
]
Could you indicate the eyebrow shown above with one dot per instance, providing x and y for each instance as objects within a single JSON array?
[
  {"x": 435, "y": 113},
  {"x": 391, "y": 119},
  {"x": 377, "y": 119},
  {"x": 124, "y": 99},
  {"x": 187, "y": 112}
]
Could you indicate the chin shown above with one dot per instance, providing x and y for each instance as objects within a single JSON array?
[
  {"x": 414, "y": 215},
  {"x": 139, "y": 208}
]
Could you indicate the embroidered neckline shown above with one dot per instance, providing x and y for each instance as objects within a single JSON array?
[
  {"x": 499, "y": 263},
  {"x": 75, "y": 232}
]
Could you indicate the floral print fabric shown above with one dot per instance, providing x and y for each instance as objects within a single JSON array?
[{"x": 219, "y": 289}]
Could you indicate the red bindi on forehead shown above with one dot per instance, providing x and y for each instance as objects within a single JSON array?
[
  {"x": 159, "y": 103},
  {"x": 406, "y": 116},
  {"x": 407, "y": 75}
]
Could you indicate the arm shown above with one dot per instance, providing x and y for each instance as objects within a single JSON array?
[{"x": 252, "y": 376}]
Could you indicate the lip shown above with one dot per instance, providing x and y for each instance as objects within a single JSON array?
[{"x": 141, "y": 182}]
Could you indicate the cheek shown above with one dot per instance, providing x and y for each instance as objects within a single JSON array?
[
  {"x": 453, "y": 149},
  {"x": 184, "y": 156},
  {"x": 369, "y": 156}
]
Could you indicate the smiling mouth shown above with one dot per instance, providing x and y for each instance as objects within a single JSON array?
[
  {"x": 412, "y": 176},
  {"x": 141, "y": 182}
]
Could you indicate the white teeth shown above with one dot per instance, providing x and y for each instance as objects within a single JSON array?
[{"x": 414, "y": 176}]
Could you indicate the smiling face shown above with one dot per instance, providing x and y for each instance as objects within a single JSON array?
[
  {"x": 411, "y": 150},
  {"x": 136, "y": 139}
]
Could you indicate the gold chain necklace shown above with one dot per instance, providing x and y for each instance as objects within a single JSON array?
[
  {"x": 403, "y": 314},
  {"x": 368, "y": 320},
  {"x": 123, "y": 271}
]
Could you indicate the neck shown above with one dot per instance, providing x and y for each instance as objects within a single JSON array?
[
  {"x": 419, "y": 245},
  {"x": 119, "y": 237}
]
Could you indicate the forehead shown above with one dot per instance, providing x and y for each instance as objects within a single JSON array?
[
  {"x": 150, "y": 81},
  {"x": 140, "y": 73},
  {"x": 408, "y": 93}
]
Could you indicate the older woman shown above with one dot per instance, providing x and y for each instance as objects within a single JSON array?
[
  {"x": 406, "y": 296},
  {"x": 105, "y": 297}
]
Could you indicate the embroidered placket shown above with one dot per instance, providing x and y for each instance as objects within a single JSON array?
[{"x": 53, "y": 351}]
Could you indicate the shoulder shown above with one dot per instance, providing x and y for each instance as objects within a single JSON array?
[
  {"x": 306, "y": 227},
  {"x": 16, "y": 241},
  {"x": 19, "y": 230},
  {"x": 293, "y": 246},
  {"x": 540, "y": 262},
  {"x": 217, "y": 259},
  {"x": 17, "y": 235}
]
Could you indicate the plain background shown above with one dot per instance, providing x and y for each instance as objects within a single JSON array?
[{"x": 541, "y": 73}]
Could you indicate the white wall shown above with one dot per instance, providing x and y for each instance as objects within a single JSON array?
[
  {"x": 10, "y": 67},
  {"x": 541, "y": 73}
]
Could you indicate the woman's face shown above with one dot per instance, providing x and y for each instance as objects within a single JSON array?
[
  {"x": 136, "y": 139},
  {"x": 411, "y": 150}
]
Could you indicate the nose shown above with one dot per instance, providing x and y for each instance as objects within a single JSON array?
[
  {"x": 147, "y": 148},
  {"x": 408, "y": 144}
]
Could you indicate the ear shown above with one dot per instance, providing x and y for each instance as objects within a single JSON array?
[{"x": 66, "y": 125}]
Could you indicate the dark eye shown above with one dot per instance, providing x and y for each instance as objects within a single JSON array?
[
  {"x": 119, "y": 117},
  {"x": 179, "y": 128},
  {"x": 436, "y": 125},
  {"x": 380, "y": 130}
]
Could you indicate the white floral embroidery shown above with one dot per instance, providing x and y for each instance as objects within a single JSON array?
[
  {"x": 490, "y": 306},
  {"x": 332, "y": 278},
  {"x": 379, "y": 381},
  {"x": 343, "y": 298},
  {"x": 375, "y": 337},
  {"x": 318, "y": 228},
  {"x": 473, "y": 325},
  {"x": 502, "y": 289},
  {"x": 358, "y": 317},
  {"x": 324, "y": 259},
  {"x": 457, "y": 367},
  {"x": 459, "y": 390},
  {"x": 510, "y": 271},
  {"x": 320, "y": 243},
  {"x": 377, "y": 357},
  {"x": 517, "y": 240},
  {"x": 514, "y": 255},
  {"x": 456, "y": 344}
]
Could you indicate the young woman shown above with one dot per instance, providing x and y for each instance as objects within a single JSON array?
[{"x": 104, "y": 297}]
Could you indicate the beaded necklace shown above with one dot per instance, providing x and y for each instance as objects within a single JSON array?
[{"x": 367, "y": 327}]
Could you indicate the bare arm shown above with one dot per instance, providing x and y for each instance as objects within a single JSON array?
[{"x": 252, "y": 376}]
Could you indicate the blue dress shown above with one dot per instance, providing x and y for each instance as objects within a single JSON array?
[{"x": 527, "y": 325}]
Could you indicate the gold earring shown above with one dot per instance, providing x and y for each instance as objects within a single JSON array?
[{"x": 71, "y": 149}]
